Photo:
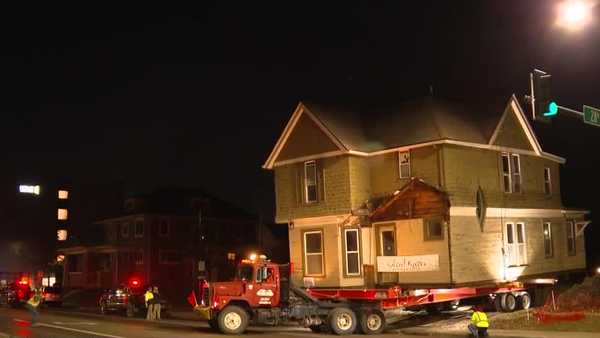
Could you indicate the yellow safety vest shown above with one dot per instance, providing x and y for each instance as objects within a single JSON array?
[
  {"x": 479, "y": 319},
  {"x": 147, "y": 296}
]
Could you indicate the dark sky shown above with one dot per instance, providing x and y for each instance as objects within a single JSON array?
[{"x": 198, "y": 96}]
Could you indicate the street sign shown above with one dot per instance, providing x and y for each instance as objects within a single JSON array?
[{"x": 591, "y": 115}]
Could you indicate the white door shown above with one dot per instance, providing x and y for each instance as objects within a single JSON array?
[{"x": 516, "y": 250}]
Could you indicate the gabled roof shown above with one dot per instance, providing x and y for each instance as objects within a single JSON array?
[{"x": 367, "y": 130}]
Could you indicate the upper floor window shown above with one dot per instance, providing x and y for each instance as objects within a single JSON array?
[
  {"x": 139, "y": 257},
  {"x": 571, "y": 242},
  {"x": 404, "y": 164},
  {"x": 511, "y": 173},
  {"x": 548, "y": 247},
  {"x": 139, "y": 228},
  {"x": 125, "y": 230},
  {"x": 164, "y": 228},
  {"x": 310, "y": 182},
  {"x": 547, "y": 181}
]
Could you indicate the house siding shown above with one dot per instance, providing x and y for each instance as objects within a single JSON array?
[
  {"x": 306, "y": 139},
  {"x": 510, "y": 133}
]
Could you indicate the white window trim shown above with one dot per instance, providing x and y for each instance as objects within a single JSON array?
[
  {"x": 306, "y": 165},
  {"x": 139, "y": 254},
  {"x": 123, "y": 226},
  {"x": 549, "y": 181},
  {"x": 357, "y": 251},
  {"x": 506, "y": 174},
  {"x": 135, "y": 233},
  {"x": 516, "y": 173},
  {"x": 550, "y": 237},
  {"x": 400, "y": 164},
  {"x": 306, "y": 254},
  {"x": 517, "y": 260},
  {"x": 160, "y": 233},
  {"x": 571, "y": 229}
]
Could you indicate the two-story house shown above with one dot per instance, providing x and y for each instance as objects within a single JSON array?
[
  {"x": 166, "y": 238},
  {"x": 427, "y": 192}
]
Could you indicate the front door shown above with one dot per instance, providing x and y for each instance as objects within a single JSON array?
[
  {"x": 516, "y": 250},
  {"x": 387, "y": 247}
]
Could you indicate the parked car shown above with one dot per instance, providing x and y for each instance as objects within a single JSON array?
[
  {"x": 52, "y": 295},
  {"x": 15, "y": 294},
  {"x": 128, "y": 300}
]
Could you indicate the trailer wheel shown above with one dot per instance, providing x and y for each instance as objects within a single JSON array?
[
  {"x": 505, "y": 302},
  {"x": 524, "y": 301},
  {"x": 372, "y": 322},
  {"x": 342, "y": 321},
  {"x": 232, "y": 320}
]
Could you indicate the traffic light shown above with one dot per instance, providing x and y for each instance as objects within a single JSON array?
[{"x": 542, "y": 105}]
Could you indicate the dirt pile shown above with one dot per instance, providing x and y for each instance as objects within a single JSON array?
[{"x": 581, "y": 297}]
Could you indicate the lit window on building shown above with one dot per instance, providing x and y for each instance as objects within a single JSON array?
[
  {"x": 63, "y": 214},
  {"x": 61, "y": 235},
  {"x": 63, "y": 194}
]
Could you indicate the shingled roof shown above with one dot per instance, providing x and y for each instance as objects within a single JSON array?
[{"x": 415, "y": 121}]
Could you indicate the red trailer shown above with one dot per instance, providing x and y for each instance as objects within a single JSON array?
[{"x": 261, "y": 294}]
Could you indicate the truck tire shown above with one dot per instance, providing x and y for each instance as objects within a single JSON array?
[
  {"x": 524, "y": 301},
  {"x": 342, "y": 321},
  {"x": 372, "y": 322},
  {"x": 505, "y": 302},
  {"x": 232, "y": 320}
]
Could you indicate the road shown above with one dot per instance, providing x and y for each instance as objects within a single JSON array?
[{"x": 53, "y": 324}]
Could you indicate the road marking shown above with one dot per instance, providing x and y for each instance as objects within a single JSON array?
[
  {"x": 74, "y": 323},
  {"x": 4, "y": 335},
  {"x": 79, "y": 331}
]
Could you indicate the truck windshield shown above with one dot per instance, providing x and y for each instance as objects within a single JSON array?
[{"x": 244, "y": 272}]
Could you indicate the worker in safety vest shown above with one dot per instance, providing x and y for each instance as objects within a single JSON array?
[
  {"x": 148, "y": 297},
  {"x": 479, "y": 323}
]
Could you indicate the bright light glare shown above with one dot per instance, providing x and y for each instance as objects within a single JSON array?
[
  {"x": 252, "y": 256},
  {"x": 29, "y": 189},
  {"x": 574, "y": 14},
  {"x": 598, "y": 270}
]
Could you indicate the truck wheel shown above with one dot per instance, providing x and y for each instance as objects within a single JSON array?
[
  {"x": 524, "y": 301},
  {"x": 232, "y": 320},
  {"x": 342, "y": 321},
  {"x": 505, "y": 302},
  {"x": 372, "y": 322}
]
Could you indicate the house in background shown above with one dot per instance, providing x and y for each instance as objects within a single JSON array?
[
  {"x": 166, "y": 238},
  {"x": 427, "y": 192}
]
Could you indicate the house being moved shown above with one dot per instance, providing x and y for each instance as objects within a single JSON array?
[{"x": 423, "y": 193}]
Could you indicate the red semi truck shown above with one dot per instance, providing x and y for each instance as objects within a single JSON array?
[{"x": 261, "y": 294}]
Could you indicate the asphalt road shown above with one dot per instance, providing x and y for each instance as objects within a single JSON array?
[{"x": 52, "y": 324}]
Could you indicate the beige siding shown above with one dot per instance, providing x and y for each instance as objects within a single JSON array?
[
  {"x": 336, "y": 177},
  {"x": 410, "y": 242},
  {"x": 477, "y": 256},
  {"x": 306, "y": 139},
  {"x": 511, "y": 133},
  {"x": 360, "y": 183},
  {"x": 465, "y": 169}
]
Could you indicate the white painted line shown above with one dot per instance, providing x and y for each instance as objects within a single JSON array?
[
  {"x": 20, "y": 320},
  {"x": 74, "y": 323},
  {"x": 4, "y": 335},
  {"x": 79, "y": 331}
]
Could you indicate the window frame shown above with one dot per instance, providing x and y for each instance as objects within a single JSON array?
[
  {"x": 139, "y": 257},
  {"x": 513, "y": 249},
  {"x": 305, "y": 254},
  {"x": 547, "y": 181},
  {"x": 123, "y": 226},
  {"x": 407, "y": 164},
  {"x": 516, "y": 175},
  {"x": 135, "y": 228},
  {"x": 160, "y": 225},
  {"x": 507, "y": 173},
  {"x": 426, "y": 230},
  {"x": 549, "y": 241},
  {"x": 312, "y": 163},
  {"x": 347, "y": 253},
  {"x": 571, "y": 230}
]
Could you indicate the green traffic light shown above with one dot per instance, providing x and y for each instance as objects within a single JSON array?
[{"x": 552, "y": 109}]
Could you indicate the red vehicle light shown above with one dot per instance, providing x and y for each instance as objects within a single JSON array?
[{"x": 24, "y": 281}]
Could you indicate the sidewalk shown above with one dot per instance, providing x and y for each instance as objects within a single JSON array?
[{"x": 501, "y": 333}]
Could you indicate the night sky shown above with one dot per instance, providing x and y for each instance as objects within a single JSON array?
[{"x": 197, "y": 97}]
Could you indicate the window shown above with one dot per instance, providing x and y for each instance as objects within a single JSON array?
[
  {"x": 516, "y": 251},
  {"x": 164, "y": 228},
  {"x": 125, "y": 230},
  {"x": 63, "y": 194},
  {"x": 139, "y": 228},
  {"x": 548, "y": 247},
  {"x": 310, "y": 181},
  {"x": 480, "y": 207},
  {"x": 511, "y": 173},
  {"x": 170, "y": 257},
  {"x": 404, "y": 163},
  {"x": 547, "y": 182},
  {"x": 139, "y": 257},
  {"x": 63, "y": 214},
  {"x": 433, "y": 229},
  {"x": 352, "y": 252},
  {"x": 571, "y": 244},
  {"x": 313, "y": 253}
]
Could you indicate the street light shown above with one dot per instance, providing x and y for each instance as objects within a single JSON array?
[{"x": 574, "y": 14}]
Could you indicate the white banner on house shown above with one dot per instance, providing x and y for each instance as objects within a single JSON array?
[{"x": 408, "y": 263}]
